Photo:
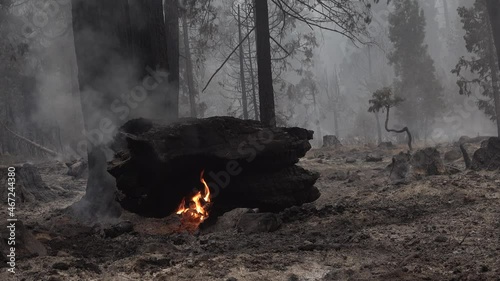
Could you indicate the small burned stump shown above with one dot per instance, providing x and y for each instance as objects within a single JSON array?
[
  {"x": 331, "y": 141},
  {"x": 386, "y": 145},
  {"x": 488, "y": 156},
  {"x": 427, "y": 162},
  {"x": 29, "y": 186},
  {"x": 244, "y": 163},
  {"x": 400, "y": 166},
  {"x": 424, "y": 162}
]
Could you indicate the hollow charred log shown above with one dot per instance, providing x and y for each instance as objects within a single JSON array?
[{"x": 245, "y": 163}]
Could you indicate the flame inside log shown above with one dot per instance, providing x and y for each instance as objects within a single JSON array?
[{"x": 195, "y": 209}]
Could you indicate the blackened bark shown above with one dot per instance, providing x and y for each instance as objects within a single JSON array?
[
  {"x": 189, "y": 68},
  {"x": 98, "y": 33},
  {"x": 122, "y": 36},
  {"x": 252, "y": 78},
  {"x": 494, "y": 12},
  {"x": 265, "y": 75},
  {"x": 242, "y": 70},
  {"x": 379, "y": 128},
  {"x": 159, "y": 164},
  {"x": 172, "y": 29}
]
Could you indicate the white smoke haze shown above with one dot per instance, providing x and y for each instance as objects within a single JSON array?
[{"x": 58, "y": 99}]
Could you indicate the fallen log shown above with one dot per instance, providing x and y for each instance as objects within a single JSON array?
[
  {"x": 245, "y": 164},
  {"x": 32, "y": 143}
]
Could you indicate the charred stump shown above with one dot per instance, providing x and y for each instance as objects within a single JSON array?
[
  {"x": 29, "y": 186},
  {"x": 488, "y": 156},
  {"x": 331, "y": 141},
  {"x": 245, "y": 164},
  {"x": 428, "y": 162}
]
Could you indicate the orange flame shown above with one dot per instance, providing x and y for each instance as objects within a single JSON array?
[{"x": 196, "y": 211}]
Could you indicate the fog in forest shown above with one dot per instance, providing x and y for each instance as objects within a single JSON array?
[
  {"x": 323, "y": 80},
  {"x": 242, "y": 140}
]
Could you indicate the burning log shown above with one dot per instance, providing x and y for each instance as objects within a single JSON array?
[{"x": 246, "y": 165}]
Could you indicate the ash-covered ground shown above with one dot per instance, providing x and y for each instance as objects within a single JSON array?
[{"x": 363, "y": 227}]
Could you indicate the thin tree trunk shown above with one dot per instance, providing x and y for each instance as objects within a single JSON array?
[
  {"x": 189, "y": 68},
  {"x": 242, "y": 70},
  {"x": 316, "y": 112},
  {"x": 265, "y": 75},
  {"x": 405, "y": 129},
  {"x": 377, "y": 119},
  {"x": 446, "y": 14},
  {"x": 379, "y": 128},
  {"x": 252, "y": 77},
  {"x": 336, "y": 106}
]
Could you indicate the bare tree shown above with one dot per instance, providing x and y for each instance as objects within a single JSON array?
[{"x": 264, "y": 68}]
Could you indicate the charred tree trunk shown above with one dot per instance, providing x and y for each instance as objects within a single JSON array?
[
  {"x": 98, "y": 34},
  {"x": 192, "y": 93},
  {"x": 172, "y": 41},
  {"x": 494, "y": 64},
  {"x": 379, "y": 128},
  {"x": 108, "y": 35},
  {"x": 494, "y": 13},
  {"x": 242, "y": 70},
  {"x": 265, "y": 75},
  {"x": 252, "y": 79},
  {"x": 316, "y": 112}
]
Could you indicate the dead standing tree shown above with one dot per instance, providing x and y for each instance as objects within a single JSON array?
[
  {"x": 108, "y": 35},
  {"x": 383, "y": 99}
]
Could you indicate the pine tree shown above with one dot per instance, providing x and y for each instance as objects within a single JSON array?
[
  {"x": 416, "y": 80},
  {"x": 482, "y": 63}
]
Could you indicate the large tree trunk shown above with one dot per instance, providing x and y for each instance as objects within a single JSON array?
[
  {"x": 98, "y": 33},
  {"x": 189, "y": 68},
  {"x": 494, "y": 12},
  {"x": 116, "y": 41},
  {"x": 265, "y": 75},
  {"x": 172, "y": 39},
  {"x": 242, "y": 70}
]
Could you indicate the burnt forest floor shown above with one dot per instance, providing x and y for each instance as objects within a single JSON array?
[{"x": 363, "y": 227}]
